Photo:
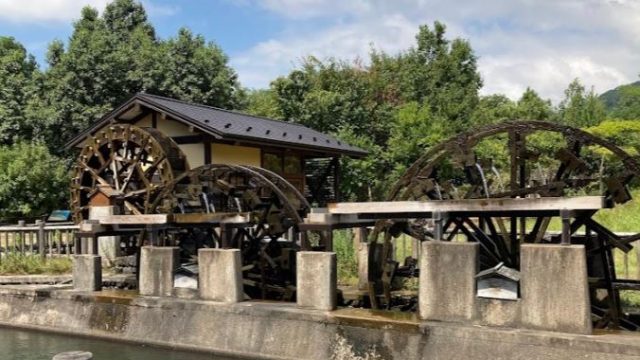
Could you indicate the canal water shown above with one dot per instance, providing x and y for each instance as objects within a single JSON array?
[{"x": 33, "y": 345}]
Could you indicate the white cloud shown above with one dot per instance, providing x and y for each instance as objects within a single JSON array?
[
  {"x": 159, "y": 10},
  {"x": 539, "y": 43},
  {"x": 33, "y": 11},
  {"x": 47, "y": 11}
]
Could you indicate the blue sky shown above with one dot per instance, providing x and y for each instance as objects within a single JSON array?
[{"x": 539, "y": 43}]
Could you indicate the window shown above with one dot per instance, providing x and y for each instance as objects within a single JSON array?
[
  {"x": 292, "y": 165},
  {"x": 273, "y": 162}
]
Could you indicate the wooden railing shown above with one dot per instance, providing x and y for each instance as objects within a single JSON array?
[{"x": 45, "y": 239}]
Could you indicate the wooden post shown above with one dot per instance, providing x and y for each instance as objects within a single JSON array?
[
  {"x": 22, "y": 236},
  {"x": 637, "y": 250},
  {"x": 626, "y": 264},
  {"x": 566, "y": 227},
  {"x": 41, "y": 239},
  {"x": 328, "y": 246},
  {"x": 438, "y": 225},
  {"x": 415, "y": 248}
]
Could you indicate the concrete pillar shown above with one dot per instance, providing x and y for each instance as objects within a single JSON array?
[
  {"x": 87, "y": 272},
  {"x": 361, "y": 247},
  {"x": 554, "y": 288},
  {"x": 108, "y": 246},
  {"x": 317, "y": 280},
  {"x": 220, "y": 275},
  {"x": 447, "y": 280},
  {"x": 362, "y": 256},
  {"x": 157, "y": 267}
]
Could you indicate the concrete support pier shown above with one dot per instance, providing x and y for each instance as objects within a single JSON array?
[
  {"x": 157, "y": 268},
  {"x": 220, "y": 275},
  {"x": 317, "y": 280},
  {"x": 362, "y": 256},
  {"x": 87, "y": 272},
  {"x": 447, "y": 280},
  {"x": 108, "y": 246},
  {"x": 554, "y": 288}
]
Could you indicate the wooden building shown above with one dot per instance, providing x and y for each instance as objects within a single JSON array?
[{"x": 208, "y": 135}]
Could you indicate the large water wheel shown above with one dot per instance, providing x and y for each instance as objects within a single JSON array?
[
  {"x": 275, "y": 206},
  {"x": 125, "y": 166},
  {"x": 522, "y": 159}
]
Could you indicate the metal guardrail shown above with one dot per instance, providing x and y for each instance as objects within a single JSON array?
[{"x": 45, "y": 239}]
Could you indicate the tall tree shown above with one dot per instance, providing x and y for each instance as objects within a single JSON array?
[
  {"x": 531, "y": 106},
  {"x": 99, "y": 68},
  {"x": 581, "y": 108},
  {"x": 439, "y": 72},
  {"x": 110, "y": 57},
  {"x": 407, "y": 97},
  {"x": 492, "y": 109},
  {"x": 446, "y": 77},
  {"x": 195, "y": 70},
  {"x": 17, "y": 73},
  {"x": 262, "y": 102}
]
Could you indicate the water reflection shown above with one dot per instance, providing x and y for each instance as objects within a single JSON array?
[{"x": 32, "y": 345}]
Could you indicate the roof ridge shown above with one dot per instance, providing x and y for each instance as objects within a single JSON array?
[{"x": 225, "y": 110}]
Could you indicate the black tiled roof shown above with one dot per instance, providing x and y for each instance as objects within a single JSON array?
[
  {"x": 234, "y": 126},
  {"x": 231, "y": 124}
]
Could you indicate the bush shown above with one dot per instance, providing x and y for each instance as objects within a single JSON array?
[
  {"x": 18, "y": 264},
  {"x": 32, "y": 181}
]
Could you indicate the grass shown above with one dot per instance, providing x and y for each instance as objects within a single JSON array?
[
  {"x": 346, "y": 255},
  {"x": 16, "y": 264}
]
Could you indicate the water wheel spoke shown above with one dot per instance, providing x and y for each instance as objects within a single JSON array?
[
  {"x": 94, "y": 174},
  {"x": 112, "y": 159}
]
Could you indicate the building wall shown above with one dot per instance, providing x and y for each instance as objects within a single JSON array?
[
  {"x": 193, "y": 152},
  {"x": 220, "y": 153},
  {"x": 235, "y": 155},
  {"x": 144, "y": 122}
]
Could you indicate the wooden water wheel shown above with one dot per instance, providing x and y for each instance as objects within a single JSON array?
[
  {"x": 523, "y": 159},
  {"x": 125, "y": 166},
  {"x": 275, "y": 207}
]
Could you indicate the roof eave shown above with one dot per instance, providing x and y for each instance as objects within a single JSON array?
[
  {"x": 356, "y": 153},
  {"x": 144, "y": 101}
]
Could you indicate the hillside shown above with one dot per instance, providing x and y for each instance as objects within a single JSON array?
[{"x": 611, "y": 97}]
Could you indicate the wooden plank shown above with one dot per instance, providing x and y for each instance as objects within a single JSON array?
[
  {"x": 213, "y": 218},
  {"x": 469, "y": 205},
  {"x": 146, "y": 219},
  {"x": 159, "y": 219},
  {"x": 326, "y": 218}
]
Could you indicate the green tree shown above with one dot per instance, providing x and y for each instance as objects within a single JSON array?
[
  {"x": 492, "y": 109},
  {"x": 198, "y": 71},
  {"x": 17, "y": 73},
  {"x": 396, "y": 107},
  {"x": 97, "y": 70},
  {"x": 439, "y": 72},
  {"x": 32, "y": 181},
  {"x": 262, "y": 102},
  {"x": 532, "y": 107},
  {"x": 110, "y": 57},
  {"x": 623, "y": 133},
  {"x": 414, "y": 129},
  {"x": 446, "y": 77},
  {"x": 579, "y": 107}
]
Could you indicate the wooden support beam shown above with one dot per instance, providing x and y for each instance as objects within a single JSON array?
[
  {"x": 160, "y": 219},
  {"x": 554, "y": 204}
]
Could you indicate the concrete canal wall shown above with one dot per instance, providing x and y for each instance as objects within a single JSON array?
[{"x": 283, "y": 331}]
